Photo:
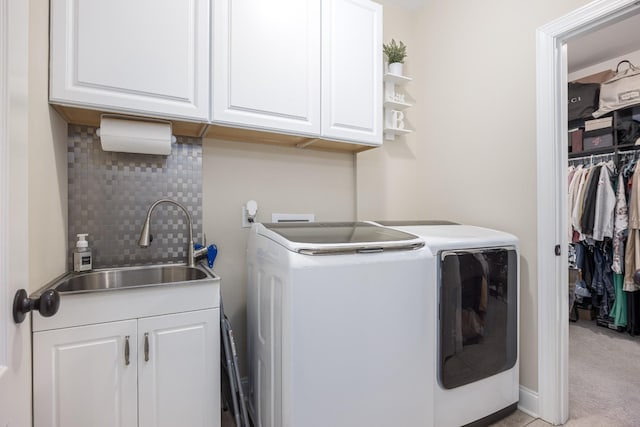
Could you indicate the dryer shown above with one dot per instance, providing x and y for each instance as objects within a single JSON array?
[
  {"x": 474, "y": 278},
  {"x": 339, "y": 326}
]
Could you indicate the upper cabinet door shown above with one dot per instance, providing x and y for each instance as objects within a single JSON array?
[
  {"x": 146, "y": 57},
  {"x": 266, "y": 64},
  {"x": 352, "y": 70}
]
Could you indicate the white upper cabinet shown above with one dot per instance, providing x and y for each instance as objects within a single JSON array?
[
  {"x": 148, "y": 57},
  {"x": 352, "y": 70},
  {"x": 266, "y": 64},
  {"x": 308, "y": 67}
]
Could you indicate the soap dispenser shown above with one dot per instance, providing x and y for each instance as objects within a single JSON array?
[{"x": 82, "y": 254}]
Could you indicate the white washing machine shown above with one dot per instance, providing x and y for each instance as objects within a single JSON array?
[
  {"x": 339, "y": 325},
  {"x": 476, "y": 369}
]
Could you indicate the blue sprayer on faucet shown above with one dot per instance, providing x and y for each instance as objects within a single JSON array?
[{"x": 212, "y": 252}]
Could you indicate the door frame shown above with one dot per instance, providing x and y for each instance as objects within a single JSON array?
[
  {"x": 3, "y": 181},
  {"x": 552, "y": 157}
]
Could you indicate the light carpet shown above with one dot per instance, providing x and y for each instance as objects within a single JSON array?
[{"x": 604, "y": 377}]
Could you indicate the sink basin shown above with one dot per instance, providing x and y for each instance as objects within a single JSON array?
[
  {"x": 124, "y": 293},
  {"x": 129, "y": 277}
]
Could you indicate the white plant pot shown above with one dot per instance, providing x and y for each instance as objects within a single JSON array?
[{"x": 396, "y": 68}]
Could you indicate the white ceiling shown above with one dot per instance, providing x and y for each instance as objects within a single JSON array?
[{"x": 607, "y": 43}]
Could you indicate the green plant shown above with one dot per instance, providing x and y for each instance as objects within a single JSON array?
[{"x": 395, "y": 52}]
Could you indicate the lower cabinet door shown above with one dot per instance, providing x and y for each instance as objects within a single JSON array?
[
  {"x": 179, "y": 369},
  {"x": 86, "y": 376}
]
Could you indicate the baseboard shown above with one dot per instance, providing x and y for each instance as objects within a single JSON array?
[{"x": 529, "y": 402}]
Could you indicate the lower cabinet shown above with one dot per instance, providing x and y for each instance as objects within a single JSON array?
[{"x": 149, "y": 372}]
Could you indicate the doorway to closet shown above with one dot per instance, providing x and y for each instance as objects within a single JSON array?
[
  {"x": 603, "y": 333},
  {"x": 552, "y": 142}
]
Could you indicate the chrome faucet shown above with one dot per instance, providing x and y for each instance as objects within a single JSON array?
[{"x": 145, "y": 239}]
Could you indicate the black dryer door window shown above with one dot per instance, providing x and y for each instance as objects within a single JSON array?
[{"x": 478, "y": 314}]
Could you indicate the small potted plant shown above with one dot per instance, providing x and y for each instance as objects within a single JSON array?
[{"x": 396, "y": 53}]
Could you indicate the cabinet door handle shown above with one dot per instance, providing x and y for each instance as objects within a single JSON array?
[
  {"x": 126, "y": 350},
  {"x": 146, "y": 346}
]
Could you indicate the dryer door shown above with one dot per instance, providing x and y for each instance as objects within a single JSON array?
[{"x": 478, "y": 314}]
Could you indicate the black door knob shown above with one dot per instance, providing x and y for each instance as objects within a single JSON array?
[{"x": 47, "y": 304}]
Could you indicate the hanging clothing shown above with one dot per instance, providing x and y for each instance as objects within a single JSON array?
[
  {"x": 603, "y": 278},
  {"x": 576, "y": 214},
  {"x": 589, "y": 209},
  {"x": 574, "y": 184},
  {"x": 632, "y": 251},
  {"x": 605, "y": 203},
  {"x": 620, "y": 226},
  {"x": 599, "y": 218},
  {"x": 619, "y": 309}
]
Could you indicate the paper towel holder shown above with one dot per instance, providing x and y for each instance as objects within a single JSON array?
[{"x": 135, "y": 134}]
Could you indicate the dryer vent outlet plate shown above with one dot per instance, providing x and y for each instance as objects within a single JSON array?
[{"x": 283, "y": 217}]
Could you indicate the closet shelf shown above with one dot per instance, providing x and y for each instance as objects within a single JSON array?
[{"x": 628, "y": 147}]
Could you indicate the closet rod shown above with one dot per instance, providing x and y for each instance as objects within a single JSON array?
[
  {"x": 605, "y": 150},
  {"x": 592, "y": 157}
]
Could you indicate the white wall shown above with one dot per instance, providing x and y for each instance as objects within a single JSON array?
[
  {"x": 386, "y": 176},
  {"x": 281, "y": 180},
  {"x": 47, "y": 160},
  {"x": 474, "y": 149}
]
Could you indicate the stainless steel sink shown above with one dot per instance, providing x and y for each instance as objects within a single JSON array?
[{"x": 128, "y": 277}]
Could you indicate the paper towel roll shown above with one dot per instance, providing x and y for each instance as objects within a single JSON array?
[{"x": 135, "y": 136}]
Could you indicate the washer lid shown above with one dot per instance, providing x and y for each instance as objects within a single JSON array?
[
  {"x": 317, "y": 238},
  {"x": 388, "y": 223},
  {"x": 450, "y": 237}
]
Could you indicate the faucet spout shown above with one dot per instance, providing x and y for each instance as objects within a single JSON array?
[{"x": 145, "y": 236}]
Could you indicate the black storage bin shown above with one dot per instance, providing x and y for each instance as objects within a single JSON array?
[
  {"x": 584, "y": 99},
  {"x": 599, "y": 138}
]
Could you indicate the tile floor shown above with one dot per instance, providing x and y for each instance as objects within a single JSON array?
[
  {"x": 517, "y": 419},
  {"x": 520, "y": 419}
]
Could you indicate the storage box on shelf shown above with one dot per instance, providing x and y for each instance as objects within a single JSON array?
[
  {"x": 394, "y": 106},
  {"x": 576, "y": 140},
  {"x": 598, "y": 133},
  {"x": 599, "y": 138},
  {"x": 604, "y": 135}
]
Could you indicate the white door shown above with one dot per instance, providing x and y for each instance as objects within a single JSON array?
[
  {"x": 179, "y": 370},
  {"x": 352, "y": 70},
  {"x": 266, "y": 64},
  {"x": 15, "y": 348},
  {"x": 143, "y": 56},
  {"x": 86, "y": 376}
]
